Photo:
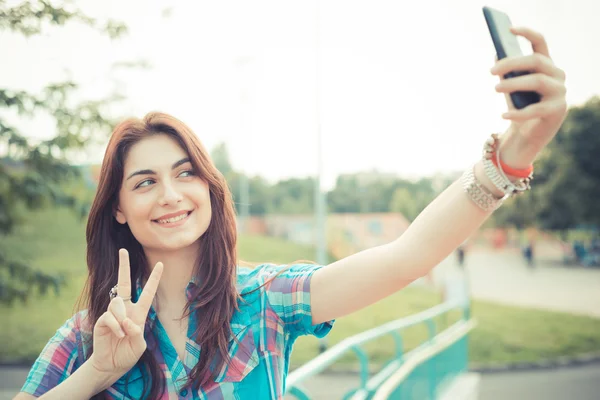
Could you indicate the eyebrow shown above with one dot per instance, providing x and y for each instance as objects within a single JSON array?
[{"x": 151, "y": 172}]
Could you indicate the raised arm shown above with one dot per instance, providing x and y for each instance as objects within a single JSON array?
[{"x": 366, "y": 277}]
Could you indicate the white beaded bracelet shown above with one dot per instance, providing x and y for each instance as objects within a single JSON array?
[{"x": 496, "y": 175}]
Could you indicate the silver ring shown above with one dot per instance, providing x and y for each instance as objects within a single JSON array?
[{"x": 114, "y": 293}]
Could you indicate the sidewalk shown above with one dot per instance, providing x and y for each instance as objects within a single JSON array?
[
  {"x": 504, "y": 277},
  {"x": 11, "y": 380}
]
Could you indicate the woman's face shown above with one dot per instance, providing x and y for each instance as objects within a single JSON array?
[{"x": 164, "y": 202}]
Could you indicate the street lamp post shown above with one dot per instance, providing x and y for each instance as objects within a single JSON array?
[
  {"x": 244, "y": 185},
  {"x": 320, "y": 198}
]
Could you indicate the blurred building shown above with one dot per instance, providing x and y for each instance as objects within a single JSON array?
[{"x": 346, "y": 233}]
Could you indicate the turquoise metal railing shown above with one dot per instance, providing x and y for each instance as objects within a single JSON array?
[
  {"x": 428, "y": 369},
  {"x": 418, "y": 374}
]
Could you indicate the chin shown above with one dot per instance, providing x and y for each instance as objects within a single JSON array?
[{"x": 178, "y": 243}]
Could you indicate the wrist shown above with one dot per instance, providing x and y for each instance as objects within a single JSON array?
[
  {"x": 99, "y": 380},
  {"x": 485, "y": 181},
  {"x": 515, "y": 151},
  {"x": 84, "y": 383}
]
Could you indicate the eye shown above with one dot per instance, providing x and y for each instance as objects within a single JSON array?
[
  {"x": 144, "y": 183},
  {"x": 187, "y": 173}
]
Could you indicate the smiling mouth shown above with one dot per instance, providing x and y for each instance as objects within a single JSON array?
[{"x": 173, "y": 219}]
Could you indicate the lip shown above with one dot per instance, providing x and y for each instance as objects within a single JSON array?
[
  {"x": 173, "y": 224},
  {"x": 171, "y": 215}
]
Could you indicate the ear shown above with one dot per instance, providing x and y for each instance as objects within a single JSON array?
[{"x": 120, "y": 217}]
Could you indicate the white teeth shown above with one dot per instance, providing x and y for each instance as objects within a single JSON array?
[{"x": 174, "y": 219}]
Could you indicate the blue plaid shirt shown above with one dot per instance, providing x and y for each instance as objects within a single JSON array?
[{"x": 268, "y": 323}]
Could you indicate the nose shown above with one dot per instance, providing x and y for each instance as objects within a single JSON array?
[{"x": 170, "y": 195}]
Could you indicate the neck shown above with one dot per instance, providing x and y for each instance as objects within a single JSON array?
[{"x": 178, "y": 270}]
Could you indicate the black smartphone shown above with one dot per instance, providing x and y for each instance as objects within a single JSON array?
[{"x": 507, "y": 45}]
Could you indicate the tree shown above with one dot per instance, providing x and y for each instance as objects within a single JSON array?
[
  {"x": 34, "y": 174},
  {"x": 409, "y": 202},
  {"x": 259, "y": 196},
  {"x": 345, "y": 197},
  {"x": 292, "y": 196},
  {"x": 566, "y": 187},
  {"x": 220, "y": 157},
  {"x": 373, "y": 192},
  {"x": 582, "y": 129},
  {"x": 259, "y": 189}
]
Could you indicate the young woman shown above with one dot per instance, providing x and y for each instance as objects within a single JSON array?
[{"x": 168, "y": 312}]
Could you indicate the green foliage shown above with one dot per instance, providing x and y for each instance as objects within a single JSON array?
[
  {"x": 220, "y": 157},
  {"x": 290, "y": 196},
  {"x": 24, "y": 279},
  {"x": 567, "y": 183},
  {"x": 353, "y": 193},
  {"x": 410, "y": 203},
  {"x": 30, "y": 18},
  {"x": 34, "y": 174}
]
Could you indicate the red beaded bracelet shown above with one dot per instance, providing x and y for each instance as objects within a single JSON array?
[{"x": 519, "y": 173}]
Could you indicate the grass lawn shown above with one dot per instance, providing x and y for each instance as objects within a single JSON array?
[{"x": 55, "y": 241}]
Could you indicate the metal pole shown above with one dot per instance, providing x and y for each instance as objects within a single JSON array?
[
  {"x": 320, "y": 197},
  {"x": 244, "y": 186},
  {"x": 244, "y": 202},
  {"x": 320, "y": 200}
]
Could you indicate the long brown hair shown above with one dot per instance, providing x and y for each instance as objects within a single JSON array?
[{"x": 216, "y": 296}]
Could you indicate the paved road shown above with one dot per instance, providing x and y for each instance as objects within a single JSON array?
[
  {"x": 11, "y": 380},
  {"x": 504, "y": 278},
  {"x": 575, "y": 383}
]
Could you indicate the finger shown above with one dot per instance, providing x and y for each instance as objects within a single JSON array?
[
  {"x": 150, "y": 288},
  {"x": 532, "y": 63},
  {"x": 131, "y": 328},
  {"x": 108, "y": 320},
  {"x": 538, "y": 42},
  {"x": 509, "y": 102},
  {"x": 135, "y": 333},
  {"x": 124, "y": 283},
  {"x": 543, "y": 84},
  {"x": 117, "y": 308},
  {"x": 538, "y": 110},
  {"x": 507, "y": 98}
]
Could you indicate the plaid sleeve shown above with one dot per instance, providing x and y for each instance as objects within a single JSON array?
[
  {"x": 59, "y": 358},
  {"x": 289, "y": 295}
]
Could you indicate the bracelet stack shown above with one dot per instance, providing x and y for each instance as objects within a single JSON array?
[
  {"x": 496, "y": 171},
  {"x": 478, "y": 193}
]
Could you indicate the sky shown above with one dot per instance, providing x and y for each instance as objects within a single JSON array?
[{"x": 393, "y": 86}]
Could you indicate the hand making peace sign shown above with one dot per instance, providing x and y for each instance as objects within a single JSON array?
[{"x": 119, "y": 332}]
